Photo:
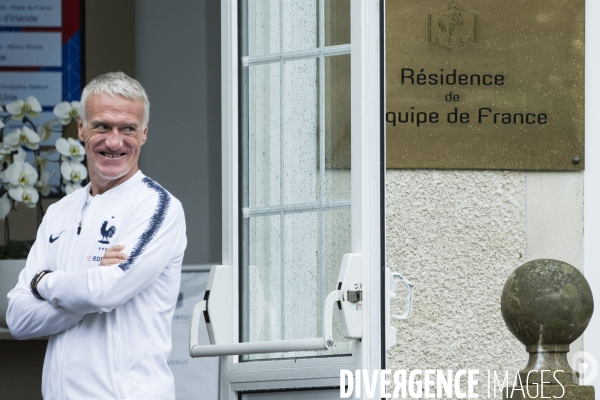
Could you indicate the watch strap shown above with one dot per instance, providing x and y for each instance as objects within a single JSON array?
[{"x": 36, "y": 279}]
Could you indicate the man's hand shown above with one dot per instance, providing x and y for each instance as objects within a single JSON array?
[{"x": 113, "y": 255}]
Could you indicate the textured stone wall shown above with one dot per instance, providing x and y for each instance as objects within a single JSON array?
[{"x": 457, "y": 235}]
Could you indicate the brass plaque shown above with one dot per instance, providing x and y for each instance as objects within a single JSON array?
[{"x": 485, "y": 84}]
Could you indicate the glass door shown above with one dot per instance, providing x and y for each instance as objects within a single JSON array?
[
  {"x": 302, "y": 190},
  {"x": 295, "y": 222}
]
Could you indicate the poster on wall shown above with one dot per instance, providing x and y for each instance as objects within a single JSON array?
[
  {"x": 38, "y": 36},
  {"x": 30, "y": 13},
  {"x": 41, "y": 53},
  {"x": 30, "y": 49}
]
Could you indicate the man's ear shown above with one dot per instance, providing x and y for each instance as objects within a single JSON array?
[
  {"x": 80, "y": 134},
  {"x": 144, "y": 135}
]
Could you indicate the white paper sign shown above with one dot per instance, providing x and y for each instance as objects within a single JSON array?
[
  {"x": 46, "y": 87},
  {"x": 195, "y": 378},
  {"x": 30, "y": 49},
  {"x": 30, "y": 13}
]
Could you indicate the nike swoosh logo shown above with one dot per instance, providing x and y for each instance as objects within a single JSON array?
[{"x": 52, "y": 240}]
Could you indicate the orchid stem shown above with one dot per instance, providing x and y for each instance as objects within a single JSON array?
[{"x": 27, "y": 119}]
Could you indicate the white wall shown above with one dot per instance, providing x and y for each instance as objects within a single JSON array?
[{"x": 458, "y": 235}]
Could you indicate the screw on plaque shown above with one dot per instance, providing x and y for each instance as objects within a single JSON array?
[{"x": 576, "y": 160}]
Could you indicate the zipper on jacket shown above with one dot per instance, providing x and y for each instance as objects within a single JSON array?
[{"x": 79, "y": 227}]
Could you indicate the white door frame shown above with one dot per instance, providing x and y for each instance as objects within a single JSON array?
[
  {"x": 366, "y": 198},
  {"x": 367, "y": 189},
  {"x": 591, "y": 182}
]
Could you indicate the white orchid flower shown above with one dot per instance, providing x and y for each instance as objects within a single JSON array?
[
  {"x": 71, "y": 187},
  {"x": 70, "y": 148},
  {"x": 45, "y": 130},
  {"x": 18, "y": 109},
  {"x": 73, "y": 171},
  {"x": 42, "y": 184},
  {"x": 5, "y": 206},
  {"x": 9, "y": 155},
  {"x": 66, "y": 111},
  {"x": 20, "y": 174},
  {"x": 19, "y": 155},
  {"x": 25, "y": 136},
  {"x": 25, "y": 194}
]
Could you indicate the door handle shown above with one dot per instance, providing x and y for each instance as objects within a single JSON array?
[
  {"x": 215, "y": 309},
  {"x": 395, "y": 279},
  {"x": 391, "y": 280}
]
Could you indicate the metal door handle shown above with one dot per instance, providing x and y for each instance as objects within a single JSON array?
[
  {"x": 395, "y": 279},
  {"x": 391, "y": 280},
  {"x": 216, "y": 309},
  {"x": 215, "y": 316}
]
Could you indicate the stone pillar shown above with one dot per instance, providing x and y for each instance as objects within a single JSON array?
[{"x": 547, "y": 304}]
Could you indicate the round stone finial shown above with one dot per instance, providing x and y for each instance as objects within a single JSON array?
[{"x": 547, "y": 302}]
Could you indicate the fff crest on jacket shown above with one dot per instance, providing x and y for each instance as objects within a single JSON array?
[
  {"x": 452, "y": 27},
  {"x": 106, "y": 232}
]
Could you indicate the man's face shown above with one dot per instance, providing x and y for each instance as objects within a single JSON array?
[{"x": 113, "y": 135}]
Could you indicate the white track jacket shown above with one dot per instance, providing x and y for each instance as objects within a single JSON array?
[{"x": 109, "y": 328}]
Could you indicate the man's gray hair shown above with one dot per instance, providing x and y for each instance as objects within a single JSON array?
[{"x": 116, "y": 84}]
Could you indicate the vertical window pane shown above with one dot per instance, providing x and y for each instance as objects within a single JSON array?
[
  {"x": 337, "y": 127},
  {"x": 337, "y": 243},
  {"x": 261, "y": 23},
  {"x": 264, "y": 135},
  {"x": 337, "y": 22},
  {"x": 302, "y": 275},
  {"x": 262, "y": 279},
  {"x": 300, "y": 125},
  {"x": 300, "y": 25}
]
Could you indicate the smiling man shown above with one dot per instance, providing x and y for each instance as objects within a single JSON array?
[{"x": 102, "y": 278}]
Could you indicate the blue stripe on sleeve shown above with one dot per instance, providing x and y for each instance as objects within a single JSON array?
[{"x": 156, "y": 221}]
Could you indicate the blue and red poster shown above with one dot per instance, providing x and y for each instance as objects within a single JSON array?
[{"x": 41, "y": 50}]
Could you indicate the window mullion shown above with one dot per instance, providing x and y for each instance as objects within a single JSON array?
[
  {"x": 322, "y": 148},
  {"x": 281, "y": 163}
]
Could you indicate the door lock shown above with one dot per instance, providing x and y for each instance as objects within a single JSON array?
[
  {"x": 354, "y": 296},
  {"x": 350, "y": 304}
]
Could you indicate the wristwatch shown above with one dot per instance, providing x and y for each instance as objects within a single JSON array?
[{"x": 36, "y": 279}]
